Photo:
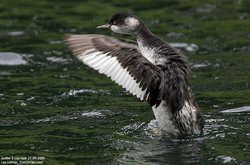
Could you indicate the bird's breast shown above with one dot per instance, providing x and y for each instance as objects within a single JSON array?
[{"x": 150, "y": 54}]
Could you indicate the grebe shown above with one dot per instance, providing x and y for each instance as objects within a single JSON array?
[{"x": 152, "y": 71}]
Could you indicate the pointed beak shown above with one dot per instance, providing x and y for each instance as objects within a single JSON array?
[{"x": 107, "y": 25}]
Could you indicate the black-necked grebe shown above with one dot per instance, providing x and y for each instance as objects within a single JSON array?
[{"x": 152, "y": 71}]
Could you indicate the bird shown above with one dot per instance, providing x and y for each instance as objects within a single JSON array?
[{"x": 149, "y": 68}]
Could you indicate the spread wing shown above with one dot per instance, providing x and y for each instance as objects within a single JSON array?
[{"x": 120, "y": 61}]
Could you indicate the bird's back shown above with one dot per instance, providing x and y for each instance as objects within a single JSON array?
[{"x": 178, "y": 111}]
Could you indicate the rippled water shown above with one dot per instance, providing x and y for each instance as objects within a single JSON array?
[{"x": 53, "y": 106}]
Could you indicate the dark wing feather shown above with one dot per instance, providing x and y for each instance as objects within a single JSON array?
[
  {"x": 147, "y": 76},
  {"x": 175, "y": 88}
]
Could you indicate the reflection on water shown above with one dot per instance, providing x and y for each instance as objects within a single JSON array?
[
  {"x": 84, "y": 91},
  {"x": 13, "y": 34},
  {"x": 10, "y": 58},
  {"x": 190, "y": 47},
  {"x": 164, "y": 152},
  {"x": 57, "y": 59},
  {"x": 237, "y": 110}
]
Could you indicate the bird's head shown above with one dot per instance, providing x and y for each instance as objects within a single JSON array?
[{"x": 123, "y": 23}]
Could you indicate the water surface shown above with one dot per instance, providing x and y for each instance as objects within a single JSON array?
[{"x": 53, "y": 106}]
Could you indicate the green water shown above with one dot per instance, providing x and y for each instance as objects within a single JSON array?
[{"x": 56, "y": 108}]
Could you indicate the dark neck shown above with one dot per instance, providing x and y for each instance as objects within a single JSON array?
[{"x": 143, "y": 34}]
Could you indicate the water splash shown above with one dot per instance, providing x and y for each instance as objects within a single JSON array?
[{"x": 131, "y": 128}]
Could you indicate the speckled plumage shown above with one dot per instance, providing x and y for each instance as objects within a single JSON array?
[{"x": 152, "y": 70}]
